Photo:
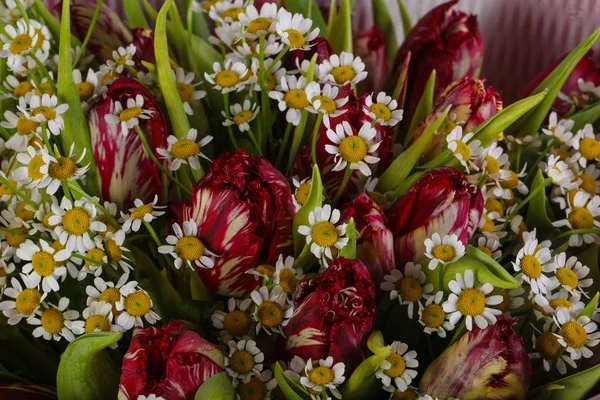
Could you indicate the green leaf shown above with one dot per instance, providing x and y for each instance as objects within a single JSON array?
[
  {"x": 402, "y": 83},
  {"x": 407, "y": 184},
  {"x": 424, "y": 107},
  {"x": 574, "y": 386},
  {"x": 314, "y": 200},
  {"x": 76, "y": 130},
  {"x": 492, "y": 272},
  {"x": 340, "y": 36},
  {"x": 217, "y": 387},
  {"x": 135, "y": 15},
  {"x": 363, "y": 382},
  {"x": 588, "y": 115},
  {"x": 397, "y": 172},
  {"x": 309, "y": 9},
  {"x": 383, "y": 21},
  {"x": 589, "y": 309},
  {"x": 405, "y": 16},
  {"x": 204, "y": 56},
  {"x": 290, "y": 388},
  {"x": 531, "y": 123},
  {"x": 86, "y": 370},
  {"x": 349, "y": 251},
  {"x": 50, "y": 21},
  {"x": 537, "y": 216}
]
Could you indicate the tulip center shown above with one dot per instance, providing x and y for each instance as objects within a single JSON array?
[
  {"x": 76, "y": 221},
  {"x": 97, "y": 323},
  {"x": 111, "y": 296},
  {"x": 47, "y": 112},
  {"x": 302, "y": 193},
  {"x": 444, "y": 252},
  {"x": 433, "y": 316},
  {"x": 184, "y": 148},
  {"x": 327, "y": 104},
  {"x": 296, "y": 99},
  {"x": 43, "y": 263},
  {"x": 113, "y": 250},
  {"x": 381, "y": 112},
  {"x": 270, "y": 314},
  {"x": 34, "y": 167},
  {"x": 409, "y": 289},
  {"x": 237, "y": 323},
  {"x": 7, "y": 191},
  {"x": 243, "y": 117},
  {"x": 486, "y": 250},
  {"x": 210, "y": 4},
  {"x": 562, "y": 303},
  {"x": 463, "y": 150},
  {"x": 189, "y": 248},
  {"x": 227, "y": 78},
  {"x": 567, "y": 277},
  {"x": 324, "y": 234},
  {"x": 95, "y": 256},
  {"x": 295, "y": 38},
  {"x": 588, "y": 183},
  {"x": 232, "y": 13},
  {"x": 130, "y": 113},
  {"x": 53, "y": 321},
  {"x": 26, "y": 126},
  {"x": 287, "y": 281},
  {"x": 137, "y": 303},
  {"x": 574, "y": 335},
  {"x": 531, "y": 266},
  {"x": 86, "y": 90},
  {"x": 259, "y": 25},
  {"x": 492, "y": 166},
  {"x": 185, "y": 91},
  {"x": 397, "y": 365},
  {"x": 581, "y": 218},
  {"x": 503, "y": 306},
  {"x": 510, "y": 182},
  {"x": 547, "y": 345},
  {"x": 22, "y": 212},
  {"x": 494, "y": 205},
  {"x": 27, "y": 301},
  {"x": 242, "y": 361},
  {"x": 141, "y": 211},
  {"x": 589, "y": 148},
  {"x": 64, "y": 168},
  {"x": 470, "y": 302},
  {"x": 22, "y": 89},
  {"x": 343, "y": 74},
  {"x": 20, "y": 43},
  {"x": 321, "y": 375},
  {"x": 16, "y": 237},
  {"x": 447, "y": 126},
  {"x": 353, "y": 149},
  {"x": 266, "y": 270}
]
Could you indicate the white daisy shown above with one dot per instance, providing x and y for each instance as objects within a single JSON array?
[
  {"x": 272, "y": 310},
  {"x": 43, "y": 263},
  {"x": 588, "y": 87},
  {"x": 256, "y": 23},
  {"x": 107, "y": 292},
  {"x": 19, "y": 41},
  {"x": 409, "y": 287},
  {"x": 236, "y": 322},
  {"x": 286, "y": 276},
  {"x": 141, "y": 212},
  {"x": 464, "y": 151},
  {"x": 301, "y": 191},
  {"x": 122, "y": 57},
  {"x": 134, "y": 304},
  {"x": 490, "y": 245},
  {"x": 34, "y": 171},
  {"x": 226, "y": 11},
  {"x": 443, "y": 250},
  {"x": 546, "y": 345},
  {"x": 581, "y": 214},
  {"x": 295, "y": 30},
  {"x": 187, "y": 89},
  {"x": 18, "y": 87},
  {"x": 27, "y": 300},
  {"x": 45, "y": 109},
  {"x": 322, "y": 234},
  {"x": 99, "y": 318},
  {"x": 433, "y": 317},
  {"x": 129, "y": 117},
  {"x": 560, "y": 130},
  {"x": 352, "y": 149},
  {"x": 73, "y": 223},
  {"x": 63, "y": 169},
  {"x": 56, "y": 322},
  {"x": 508, "y": 180},
  {"x": 560, "y": 173},
  {"x": 229, "y": 78},
  {"x": 588, "y": 148},
  {"x": 342, "y": 69},
  {"x": 531, "y": 263},
  {"x": 325, "y": 100},
  {"x": 385, "y": 111},
  {"x": 276, "y": 72},
  {"x": 116, "y": 252},
  {"x": 577, "y": 334},
  {"x": 244, "y": 360},
  {"x": 292, "y": 97},
  {"x": 241, "y": 115},
  {"x": 324, "y": 376},
  {"x": 494, "y": 159},
  {"x": 185, "y": 246},
  {"x": 569, "y": 273},
  {"x": 400, "y": 366},
  {"x": 87, "y": 88},
  {"x": 184, "y": 151},
  {"x": 4, "y": 271}
]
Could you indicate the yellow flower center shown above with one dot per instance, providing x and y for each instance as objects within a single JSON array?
[
  {"x": 324, "y": 234},
  {"x": 96, "y": 255},
  {"x": 510, "y": 182},
  {"x": 444, "y": 252},
  {"x": 113, "y": 250},
  {"x": 254, "y": 389},
  {"x": 22, "y": 89},
  {"x": 321, "y": 376},
  {"x": 111, "y": 296},
  {"x": 409, "y": 289},
  {"x": 20, "y": 43},
  {"x": 503, "y": 306},
  {"x": 47, "y": 112},
  {"x": 64, "y": 168},
  {"x": 16, "y": 237},
  {"x": 287, "y": 281},
  {"x": 43, "y": 263},
  {"x": 470, "y": 302},
  {"x": 86, "y": 90},
  {"x": 21, "y": 211},
  {"x": 232, "y": 13},
  {"x": 398, "y": 365},
  {"x": 492, "y": 166},
  {"x": 327, "y": 104},
  {"x": 494, "y": 205},
  {"x": 588, "y": 183},
  {"x": 46, "y": 221},
  {"x": 559, "y": 302},
  {"x": 76, "y": 221},
  {"x": 258, "y": 25},
  {"x": 130, "y": 113},
  {"x": 562, "y": 154},
  {"x": 185, "y": 91},
  {"x": 45, "y": 88},
  {"x": 447, "y": 126},
  {"x": 266, "y": 270},
  {"x": 137, "y": 303},
  {"x": 381, "y": 112},
  {"x": 207, "y": 5},
  {"x": 567, "y": 277},
  {"x": 237, "y": 323},
  {"x": 109, "y": 76},
  {"x": 433, "y": 316},
  {"x": 141, "y": 211},
  {"x": 110, "y": 228},
  {"x": 296, "y": 98},
  {"x": 34, "y": 167},
  {"x": 589, "y": 148},
  {"x": 35, "y": 142},
  {"x": 488, "y": 224},
  {"x": 227, "y": 78},
  {"x": 486, "y": 250},
  {"x": 26, "y": 126},
  {"x": 408, "y": 394},
  {"x": 270, "y": 314},
  {"x": 189, "y": 248},
  {"x": 302, "y": 193},
  {"x": 184, "y": 148},
  {"x": 547, "y": 345},
  {"x": 531, "y": 266},
  {"x": 295, "y": 38},
  {"x": 97, "y": 323},
  {"x": 581, "y": 218},
  {"x": 574, "y": 335},
  {"x": 243, "y": 117},
  {"x": 5, "y": 190},
  {"x": 343, "y": 74},
  {"x": 53, "y": 321},
  {"x": 353, "y": 149},
  {"x": 242, "y": 361},
  {"x": 27, "y": 301},
  {"x": 40, "y": 38},
  {"x": 463, "y": 150}
]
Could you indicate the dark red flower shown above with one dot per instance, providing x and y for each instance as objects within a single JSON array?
[
  {"x": 143, "y": 40},
  {"x": 369, "y": 45}
]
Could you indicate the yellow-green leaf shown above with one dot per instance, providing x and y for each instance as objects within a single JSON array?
[
  {"x": 406, "y": 23},
  {"x": 340, "y": 36},
  {"x": 383, "y": 21},
  {"x": 289, "y": 387},
  {"x": 588, "y": 115},
  {"x": 217, "y": 387},
  {"x": 349, "y": 251},
  {"x": 574, "y": 386},
  {"x": 135, "y": 15},
  {"x": 314, "y": 200},
  {"x": 589, "y": 309},
  {"x": 424, "y": 107}
]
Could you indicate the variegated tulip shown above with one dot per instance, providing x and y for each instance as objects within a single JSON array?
[
  {"x": 125, "y": 171},
  {"x": 171, "y": 362},
  {"x": 442, "y": 201},
  {"x": 482, "y": 364},
  {"x": 333, "y": 313},
  {"x": 143, "y": 40}
]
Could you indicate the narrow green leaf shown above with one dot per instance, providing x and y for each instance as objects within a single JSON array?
[
  {"x": 574, "y": 386},
  {"x": 349, "y": 251},
  {"x": 150, "y": 11},
  {"x": 588, "y": 115},
  {"x": 86, "y": 370},
  {"x": 531, "y": 123},
  {"x": 492, "y": 272},
  {"x": 363, "y": 382},
  {"x": 135, "y": 15},
  {"x": 50, "y": 21},
  {"x": 290, "y": 391},
  {"x": 314, "y": 200},
  {"x": 407, "y": 184},
  {"x": 537, "y": 216},
  {"x": 332, "y": 17},
  {"x": 402, "y": 83},
  {"x": 217, "y": 387},
  {"x": 383, "y": 21},
  {"x": 340, "y": 36},
  {"x": 424, "y": 107},
  {"x": 406, "y": 23},
  {"x": 204, "y": 56},
  {"x": 305, "y": 7},
  {"x": 589, "y": 309}
]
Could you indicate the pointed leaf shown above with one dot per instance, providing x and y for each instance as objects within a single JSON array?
[
  {"x": 537, "y": 216},
  {"x": 309, "y": 9},
  {"x": 50, "y": 21},
  {"x": 407, "y": 184},
  {"x": 402, "y": 84},
  {"x": 589, "y": 309},
  {"x": 135, "y": 15},
  {"x": 289, "y": 387},
  {"x": 492, "y": 272},
  {"x": 363, "y": 382},
  {"x": 574, "y": 386},
  {"x": 314, "y": 200},
  {"x": 405, "y": 16},
  {"x": 424, "y": 107},
  {"x": 340, "y": 36},
  {"x": 383, "y": 21},
  {"x": 349, "y": 251},
  {"x": 217, "y": 387},
  {"x": 588, "y": 115}
]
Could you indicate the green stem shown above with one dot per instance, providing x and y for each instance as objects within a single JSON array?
[
  {"x": 88, "y": 35},
  {"x": 314, "y": 138},
  {"x": 75, "y": 188},
  {"x": 43, "y": 68},
  {"x": 17, "y": 192},
  {"x": 279, "y": 57},
  {"x": 526, "y": 200},
  {"x": 254, "y": 142},
  {"x": 152, "y": 233},
  {"x": 13, "y": 232},
  {"x": 66, "y": 190},
  {"x": 227, "y": 115},
  {"x": 47, "y": 139},
  {"x": 518, "y": 160},
  {"x": 340, "y": 190},
  {"x": 22, "y": 11},
  {"x": 577, "y": 231},
  {"x": 441, "y": 275},
  {"x": 286, "y": 137},
  {"x": 534, "y": 166}
]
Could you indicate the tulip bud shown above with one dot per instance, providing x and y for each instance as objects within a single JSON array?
[
  {"x": 471, "y": 104},
  {"x": 143, "y": 40},
  {"x": 125, "y": 171},
  {"x": 171, "y": 362},
  {"x": 442, "y": 201},
  {"x": 445, "y": 40},
  {"x": 244, "y": 211},
  {"x": 482, "y": 364},
  {"x": 369, "y": 45},
  {"x": 333, "y": 314}
]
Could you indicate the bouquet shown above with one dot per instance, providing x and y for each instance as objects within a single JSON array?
[{"x": 236, "y": 200}]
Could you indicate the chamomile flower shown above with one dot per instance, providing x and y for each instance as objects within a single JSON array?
[
  {"x": 286, "y": 276},
  {"x": 128, "y": 118},
  {"x": 73, "y": 223},
  {"x": 464, "y": 151},
  {"x": 273, "y": 81},
  {"x": 46, "y": 110},
  {"x": 26, "y": 128},
  {"x": 43, "y": 263},
  {"x": 399, "y": 368},
  {"x": 577, "y": 334},
  {"x": 531, "y": 263},
  {"x": 323, "y": 376},
  {"x": 588, "y": 148},
  {"x": 491, "y": 225},
  {"x": 433, "y": 317},
  {"x": 508, "y": 180},
  {"x": 301, "y": 192},
  {"x": 122, "y": 57},
  {"x": 323, "y": 234},
  {"x": 409, "y": 287},
  {"x": 494, "y": 159},
  {"x": 325, "y": 100},
  {"x": 87, "y": 88},
  {"x": 96, "y": 258},
  {"x": 443, "y": 250},
  {"x": 385, "y": 111},
  {"x": 581, "y": 214},
  {"x": 12, "y": 13},
  {"x": 469, "y": 301},
  {"x": 272, "y": 310},
  {"x": 257, "y": 385},
  {"x": 63, "y": 169},
  {"x": 342, "y": 69},
  {"x": 226, "y": 11},
  {"x": 19, "y": 41},
  {"x": 184, "y": 151},
  {"x": 34, "y": 172},
  {"x": 588, "y": 87},
  {"x": 106, "y": 291},
  {"x": 490, "y": 245},
  {"x": 18, "y": 87},
  {"x": 560, "y": 173},
  {"x": 546, "y": 345},
  {"x": 560, "y": 299},
  {"x": 256, "y": 23},
  {"x": 185, "y": 246},
  {"x": 560, "y": 130},
  {"x": 135, "y": 304},
  {"x": 295, "y": 30},
  {"x": 27, "y": 300},
  {"x": 146, "y": 212},
  {"x": 98, "y": 318},
  {"x": 244, "y": 360},
  {"x": 56, "y": 322},
  {"x": 353, "y": 150},
  {"x": 241, "y": 115},
  {"x": 187, "y": 89},
  {"x": 236, "y": 322},
  {"x": 588, "y": 179},
  {"x": 292, "y": 97},
  {"x": 228, "y": 78},
  {"x": 570, "y": 273},
  {"x": 113, "y": 247},
  {"x": 5, "y": 269}
]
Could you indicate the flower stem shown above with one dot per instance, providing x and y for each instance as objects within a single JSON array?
[
  {"x": 286, "y": 137},
  {"x": 47, "y": 139},
  {"x": 43, "y": 69},
  {"x": 17, "y": 191},
  {"x": 22, "y": 11},
  {"x": 340, "y": 190},
  {"x": 13, "y": 232},
  {"x": 566, "y": 234},
  {"x": 227, "y": 115},
  {"x": 279, "y": 57},
  {"x": 152, "y": 233},
  {"x": 75, "y": 187},
  {"x": 88, "y": 35},
  {"x": 314, "y": 138},
  {"x": 534, "y": 192}
]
